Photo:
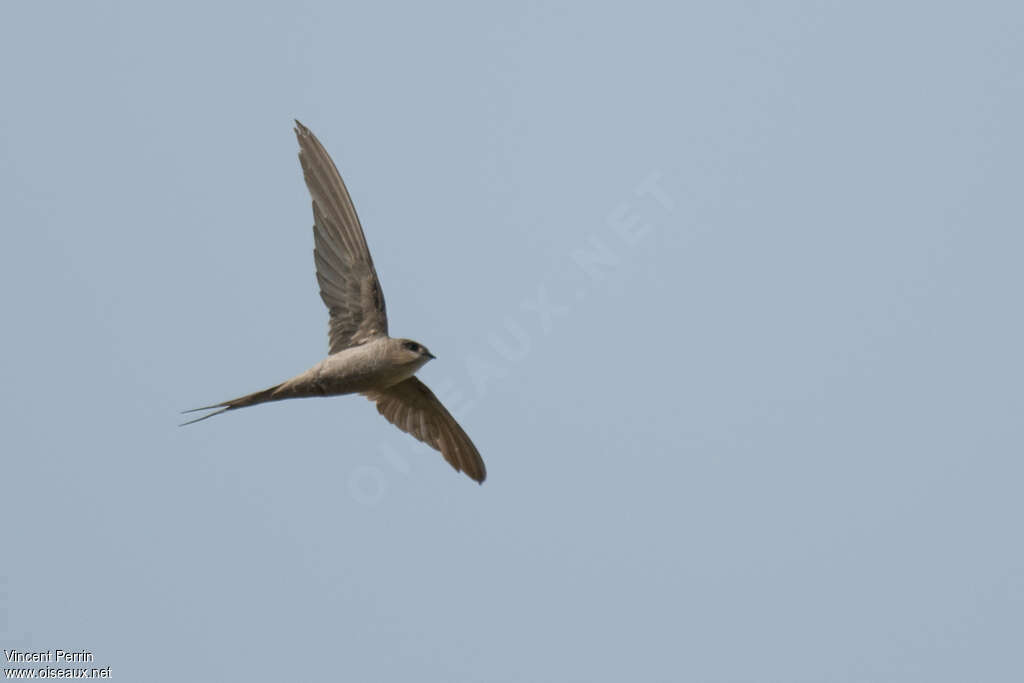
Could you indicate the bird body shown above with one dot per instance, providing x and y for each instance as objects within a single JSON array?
[
  {"x": 377, "y": 364},
  {"x": 362, "y": 358}
]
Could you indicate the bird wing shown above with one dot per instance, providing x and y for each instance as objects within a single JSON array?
[
  {"x": 344, "y": 268},
  {"x": 413, "y": 408}
]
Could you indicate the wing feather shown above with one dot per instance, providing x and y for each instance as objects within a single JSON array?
[
  {"x": 348, "y": 280},
  {"x": 413, "y": 408}
]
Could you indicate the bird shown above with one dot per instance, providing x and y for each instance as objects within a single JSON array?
[{"x": 362, "y": 358}]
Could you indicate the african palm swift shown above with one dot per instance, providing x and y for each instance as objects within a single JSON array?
[{"x": 362, "y": 358}]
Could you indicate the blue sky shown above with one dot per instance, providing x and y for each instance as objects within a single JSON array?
[{"x": 727, "y": 295}]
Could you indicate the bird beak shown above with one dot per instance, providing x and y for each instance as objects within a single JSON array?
[{"x": 432, "y": 356}]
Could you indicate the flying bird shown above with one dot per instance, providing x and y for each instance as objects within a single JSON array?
[{"x": 362, "y": 358}]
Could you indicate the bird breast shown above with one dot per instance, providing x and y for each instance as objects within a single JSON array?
[{"x": 362, "y": 368}]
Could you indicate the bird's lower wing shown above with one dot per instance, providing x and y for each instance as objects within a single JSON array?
[{"x": 413, "y": 408}]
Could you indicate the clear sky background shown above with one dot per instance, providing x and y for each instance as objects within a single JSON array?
[{"x": 728, "y": 295}]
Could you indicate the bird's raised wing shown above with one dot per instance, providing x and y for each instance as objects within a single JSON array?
[
  {"x": 344, "y": 268},
  {"x": 413, "y": 408}
]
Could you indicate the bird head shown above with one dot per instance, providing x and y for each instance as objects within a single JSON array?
[{"x": 408, "y": 352}]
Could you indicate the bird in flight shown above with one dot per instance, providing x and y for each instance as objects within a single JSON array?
[{"x": 362, "y": 358}]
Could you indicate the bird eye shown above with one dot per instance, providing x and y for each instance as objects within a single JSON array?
[{"x": 412, "y": 346}]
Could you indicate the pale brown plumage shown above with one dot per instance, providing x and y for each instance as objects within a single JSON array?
[
  {"x": 413, "y": 408},
  {"x": 344, "y": 268},
  {"x": 362, "y": 357}
]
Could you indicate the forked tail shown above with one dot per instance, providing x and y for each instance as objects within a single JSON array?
[{"x": 242, "y": 402}]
